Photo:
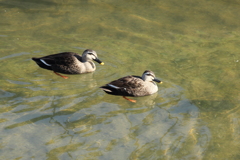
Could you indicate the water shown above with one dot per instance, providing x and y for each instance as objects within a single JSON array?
[{"x": 193, "y": 47}]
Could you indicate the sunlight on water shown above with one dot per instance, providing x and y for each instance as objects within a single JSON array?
[{"x": 193, "y": 47}]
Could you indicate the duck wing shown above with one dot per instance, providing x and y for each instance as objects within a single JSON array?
[
  {"x": 126, "y": 86},
  {"x": 59, "y": 60}
]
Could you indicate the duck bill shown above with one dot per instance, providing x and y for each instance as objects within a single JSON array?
[
  {"x": 98, "y": 60},
  {"x": 157, "y": 80}
]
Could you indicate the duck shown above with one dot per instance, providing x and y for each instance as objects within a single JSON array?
[
  {"x": 69, "y": 62},
  {"x": 133, "y": 86}
]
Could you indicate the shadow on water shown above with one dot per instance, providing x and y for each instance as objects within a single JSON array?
[{"x": 28, "y": 4}]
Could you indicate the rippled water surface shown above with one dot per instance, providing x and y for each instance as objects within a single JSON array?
[{"x": 192, "y": 46}]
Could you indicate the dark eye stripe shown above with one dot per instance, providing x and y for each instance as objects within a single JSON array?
[
  {"x": 92, "y": 55},
  {"x": 148, "y": 74}
]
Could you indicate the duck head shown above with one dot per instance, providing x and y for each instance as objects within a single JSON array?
[
  {"x": 150, "y": 77},
  {"x": 89, "y": 55}
]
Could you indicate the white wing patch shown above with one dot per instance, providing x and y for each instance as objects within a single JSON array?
[
  {"x": 44, "y": 62},
  {"x": 106, "y": 90},
  {"x": 113, "y": 86}
]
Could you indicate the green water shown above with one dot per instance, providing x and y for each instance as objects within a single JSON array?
[{"x": 192, "y": 46}]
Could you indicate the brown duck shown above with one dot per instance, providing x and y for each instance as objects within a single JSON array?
[
  {"x": 69, "y": 62},
  {"x": 133, "y": 86}
]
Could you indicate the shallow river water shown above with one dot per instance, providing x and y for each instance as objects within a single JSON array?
[{"x": 192, "y": 46}]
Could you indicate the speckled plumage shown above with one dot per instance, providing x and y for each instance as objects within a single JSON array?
[
  {"x": 69, "y": 62},
  {"x": 133, "y": 86}
]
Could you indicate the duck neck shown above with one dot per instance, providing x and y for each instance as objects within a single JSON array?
[
  {"x": 92, "y": 64},
  {"x": 143, "y": 78},
  {"x": 84, "y": 59}
]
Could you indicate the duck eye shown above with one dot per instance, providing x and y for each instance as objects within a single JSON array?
[
  {"x": 90, "y": 53},
  {"x": 148, "y": 74}
]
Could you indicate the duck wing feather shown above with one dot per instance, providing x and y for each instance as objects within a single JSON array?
[
  {"x": 58, "y": 62},
  {"x": 125, "y": 86}
]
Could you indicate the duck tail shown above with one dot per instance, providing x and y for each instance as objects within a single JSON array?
[
  {"x": 41, "y": 64},
  {"x": 111, "y": 90}
]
